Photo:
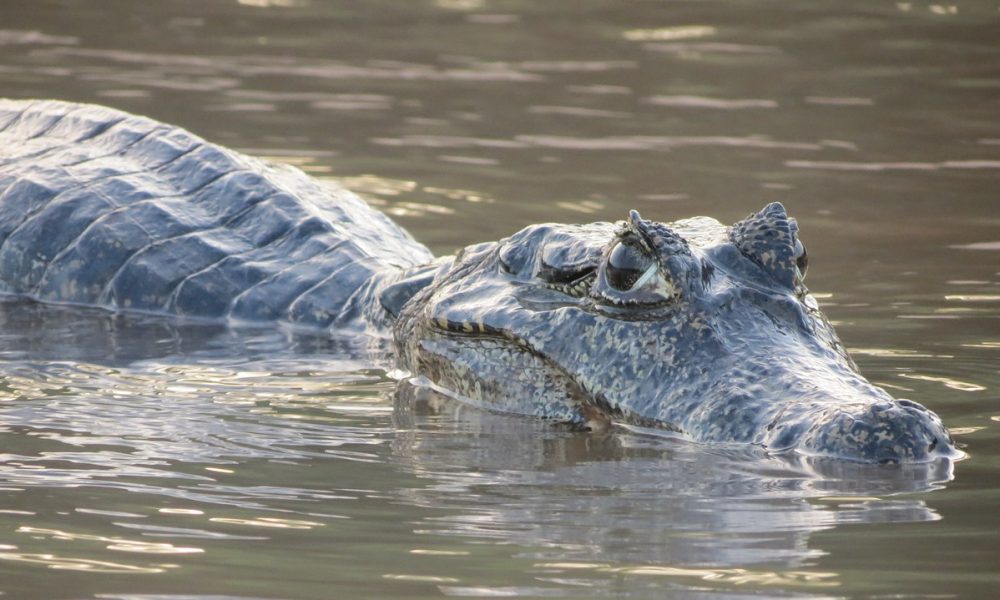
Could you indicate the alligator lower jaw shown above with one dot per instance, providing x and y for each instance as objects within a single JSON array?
[
  {"x": 596, "y": 413},
  {"x": 589, "y": 410}
]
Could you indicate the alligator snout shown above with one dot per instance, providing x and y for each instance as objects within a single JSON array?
[{"x": 897, "y": 431}]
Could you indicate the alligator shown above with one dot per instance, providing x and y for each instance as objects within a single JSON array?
[{"x": 691, "y": 327}]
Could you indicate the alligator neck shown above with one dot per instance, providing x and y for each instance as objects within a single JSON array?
[{"x": 388, "y": 291}]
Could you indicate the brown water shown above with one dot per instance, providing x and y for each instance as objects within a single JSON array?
[{"x": 145, "y": 459}]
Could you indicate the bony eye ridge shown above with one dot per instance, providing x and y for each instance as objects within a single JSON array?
[{"x": 629, "y": 267}]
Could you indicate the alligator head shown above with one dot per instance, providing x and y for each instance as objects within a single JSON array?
[{"x": 695, "y": 327}]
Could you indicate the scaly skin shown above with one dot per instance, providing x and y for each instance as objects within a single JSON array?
[
  {"x": 99, "y": 207},
  {"x": 722, "y": 342},
  {"x": 693, "y": 327}
]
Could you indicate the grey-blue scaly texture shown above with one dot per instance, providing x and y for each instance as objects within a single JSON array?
[{"x": 691, "y": 326}]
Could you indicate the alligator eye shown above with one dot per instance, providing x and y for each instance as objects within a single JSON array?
[
  {"x": 627, "y": 265},
  {"x": 801, "y": 259}
]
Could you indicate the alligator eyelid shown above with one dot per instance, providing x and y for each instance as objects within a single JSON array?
[{"x": 645, "y": 277}]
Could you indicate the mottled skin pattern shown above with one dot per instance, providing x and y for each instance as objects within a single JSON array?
[
  {"x": 693, "y": 327},
  {"x": 722, "y": 343}
]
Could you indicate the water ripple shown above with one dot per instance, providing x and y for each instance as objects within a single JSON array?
[
  {"x": 188, "y": 71},
  {"x": 298, "y": 469},
  {"x": 710, "y": 103},
  {"x": 697, "y": 48},
  {"x": 679, "y": 32},
  {"x": 646, "y": 143},
  {"x": 13, "y": 36},
  {"x": 893, "y": 166}
]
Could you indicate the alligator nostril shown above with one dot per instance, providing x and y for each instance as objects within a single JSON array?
[{"x": 882, "y": 432}]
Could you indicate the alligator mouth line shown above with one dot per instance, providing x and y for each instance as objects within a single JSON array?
[{"x": 596, "y": 412}]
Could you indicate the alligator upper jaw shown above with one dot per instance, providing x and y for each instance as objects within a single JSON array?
[{"x": 860, "y": 424}]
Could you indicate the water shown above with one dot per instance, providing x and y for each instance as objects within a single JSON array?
[{"x": 144, "y": 458}]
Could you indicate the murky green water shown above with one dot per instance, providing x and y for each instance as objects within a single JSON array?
[{"x": 141, "y": 458}]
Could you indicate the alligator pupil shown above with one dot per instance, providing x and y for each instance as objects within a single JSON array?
[{"x": 625, "y": 265}]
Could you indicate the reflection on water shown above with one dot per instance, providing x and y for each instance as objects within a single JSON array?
[
  {"x": 147, "y": 458},
  {"x": 634, "y": 498},
  {"x": 224, "y": 437}
]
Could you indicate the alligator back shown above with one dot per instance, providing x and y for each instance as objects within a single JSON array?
[{"x": 105, "y": 208}]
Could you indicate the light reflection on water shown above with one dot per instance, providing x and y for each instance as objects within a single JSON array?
[
  {"x": 221, "y": 453},
  {"x": 142, "y": 458}
]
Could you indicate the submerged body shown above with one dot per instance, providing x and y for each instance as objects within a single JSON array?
[{"x": 693, "y": 326}]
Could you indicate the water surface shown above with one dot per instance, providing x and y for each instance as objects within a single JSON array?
[{"x": 145, "y": 458}]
